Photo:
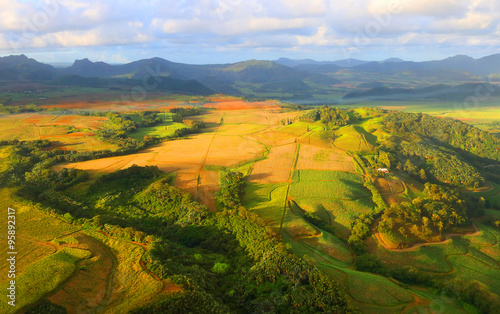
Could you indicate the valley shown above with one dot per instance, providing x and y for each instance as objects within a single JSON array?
[
  {"x": 307, "y": 180},
  {"x": 245, "y": 202}
]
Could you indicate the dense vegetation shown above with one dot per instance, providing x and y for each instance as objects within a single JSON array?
[
  {"x": 230, "y": 261},
  {"x": 226, "y": 262},
  {"x": 459, "y": 136},
  {"x": 440, "y": 210},
  {"x": 441, "y": 150},
  {"x": 331, "y": 117}
]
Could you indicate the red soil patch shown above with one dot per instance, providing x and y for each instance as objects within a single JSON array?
[
  {"x": 240, "y": 104},
  {"x": 118, "y": 105},
  {"x": 65, "y": 119},
  {"x": 68, "y": 135},
  {"x": 34, "y": 119}
]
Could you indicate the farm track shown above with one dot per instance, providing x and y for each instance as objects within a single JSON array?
[
  {"x": 328, "y": 264},
  {"x": 203, "y": 164},
  {"x": 106, "y": 299},
  {"x": 296, "y": 156},
  {"x": 38, "y": 131},
  {"x": 165, "y": 286},
  {"x": 418, "y": 245},
  {"x": 299, "y": 237},
  {"x": 109, "y": 289}
]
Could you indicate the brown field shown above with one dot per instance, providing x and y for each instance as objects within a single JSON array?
[
  {"x": 222, "y": 98},
  {"x": 209, "y": 117},
  {"x": 181, "y": 155},
  {"x": 269, "y": 117},
  {"x": 271, "y": 137},
  {"x": 317, "y": 158},
  {"x": 231, "y": 150},
  {"x": 187, "y": 158},
  {"x": 235, "y": 104},
  {"x": 29, "y": 251},
  {"x": 79, "y": 134},
  {"x": 251, "y": 116},
  {"x": 240, "y": 129},
  {"x": 187, "y": 181},
  {"x": 31, "y": 126},
  {"x": 209, "y": 185},
  {"x": 299, "y": 231},
  {"x": 276, "y": 167},
  {"x": 21, "y": 126},
  {"x": 117, "y": 105},
  {"x": 391, "y": 190}
]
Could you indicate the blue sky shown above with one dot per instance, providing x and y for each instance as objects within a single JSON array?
[{"x": 223, "y": 31}]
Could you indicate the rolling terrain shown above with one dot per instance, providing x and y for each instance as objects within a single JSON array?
[
  {"x": 280, "y": 186},
  {"x": 309, "y": 177}
]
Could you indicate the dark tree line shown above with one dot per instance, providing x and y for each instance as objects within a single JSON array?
[{"x": 331, "y": 117}]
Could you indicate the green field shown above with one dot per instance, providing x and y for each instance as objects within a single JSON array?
[
  {"x": 485, "y": 115},
  {"x": 92, "y": 264},
  {"x": 354, "y": 138},
  {"x": 43, "y": 276},
  {"x": 266, "y": 200},
  {"x": 340, "y": 196},
  {"x": 327, "y": 184},
  {"x": 166, "y": 128}
]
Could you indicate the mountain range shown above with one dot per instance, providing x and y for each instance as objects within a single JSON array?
[{"x": 293, "y": 78}]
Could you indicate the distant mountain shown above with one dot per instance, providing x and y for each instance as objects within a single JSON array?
[
  {"x": 346, "y": 63},
  {"x": 392, "y": 60},
  {"x": 24, "y": 69},
  {"x": 292, "y": 63},
  {"x": 90, "y": 69},
  {"x": 162, "y": 84},
  {"x": 456, "y": 68},
  {"x": 258, "y": 77},
  {"x": 438, "y": 92},
  {"x": 218, "y": 77},
  {"x": 318, "y": 68}
]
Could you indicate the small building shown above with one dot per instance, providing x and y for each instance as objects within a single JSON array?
[{"x": 383, "y": 170}]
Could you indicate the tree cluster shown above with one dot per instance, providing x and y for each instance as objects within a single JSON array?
[{"x": 439, "y": 211}]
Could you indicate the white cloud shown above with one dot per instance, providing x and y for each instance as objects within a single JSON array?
[
  {"x": 313, "y": 25},
  {"x": 433, "y": 8}
]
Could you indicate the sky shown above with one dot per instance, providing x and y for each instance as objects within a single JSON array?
[{"x": 226, "y": 31}]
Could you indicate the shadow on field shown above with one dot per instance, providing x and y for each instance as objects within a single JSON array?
[{"x": 259, "y": 176}]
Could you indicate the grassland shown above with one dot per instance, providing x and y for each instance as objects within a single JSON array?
[
  {"x": 43, "y": 276},
  {"x": 268, "y": 201},
  {"x": 288, "y": 165},
  {"x": 320, "y": 158},
  {"x": 64, "y": 131},
  {"x": 132, "y": 285},
  {"x": 340, "y": 194},
  {"x": 484, "y": 115},
  {"x": 354, "y": 138},
  {"x": 83, "y": 272},
  {"x": 492, "y": 196},
  {"x": 166, "y": 128}
]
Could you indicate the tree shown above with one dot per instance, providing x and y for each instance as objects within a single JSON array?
[
  {"x": 220, "y": 268},
  {"x": 422, "y": 175},
  {"x": 402, "y": 230}
]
